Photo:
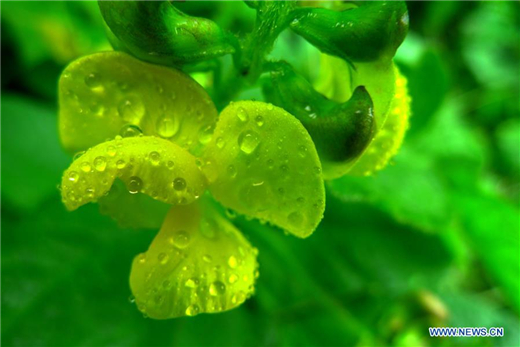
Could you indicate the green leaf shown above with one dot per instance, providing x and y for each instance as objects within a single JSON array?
[
  {"x": 32, "y": 157},
  {"x": 103, "y": 92},
  {"x": 262, "y": 162},
  {"x": 492, "y": 227},
  {"x": 158, "y": 32},
  {"x": 398, "y": 190},
  {"x": 198, "y": 263},
  {"x": 367, "y": 32},
  {"x": 146, "y": 164}
]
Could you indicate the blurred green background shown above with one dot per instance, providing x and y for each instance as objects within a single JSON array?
[{"x": 433, "y": 240}]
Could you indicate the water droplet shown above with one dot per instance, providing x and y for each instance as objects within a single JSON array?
[
  {"x": 170, "y": 164},
  {"x": 205, "y": 134},
  {"x": 100, "y": 164},
  {"x": 181, "y": 239},
  {"x": 242, "y": 114},
  {"x": 232, "y": 278},
  {"x": 232, "y": 171},
  {"x": 111, "y": 151},
  {"x": 120, "y": 164},
  {"x": 131, "y": 299},
  {"x": 155, "y": 158},
  {"x": 259, "y": 121},
  {"x": 302, "y": 151},
  {"x": 90, "y": 192},
  {"x": 220, "y": 142},
  {"x": 248, "y": 141},
  {"x": 163, "y": 258},
  {"x": 142, "y": 258},
  {"x": 208, "y": 228},
  {"x": 130, "y": 130},
  {"x": 73, "y": 176},
  {"x": 296, "y": 218},
  {"x": 179, "y": 184},
  {"x": 78, "y": 155},
  {"x": 231, "y": 214},
  {"x": 270, "y": 106},
  {"x": 167, "y": 126},
  {"x": 131, "y": 110},
  {"x": 192, "y": 283},
  {"x": 85, "y": 166},
  {"x": 217, "y": 288},
  {"x": 232, "y": 262},
  {"x": 134, "y": 185},
  {"x": 93, "y": 81},
  {"x": 192, "y": 310}
]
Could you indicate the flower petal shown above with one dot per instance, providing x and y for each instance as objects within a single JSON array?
[
  {"x": 262, "y": 162},
  {"x": 198, "y": 263},
  {"x": 101, "y": 93},
  {"x": 146, "y": 164},
  {"x": 389, "y": 139}
]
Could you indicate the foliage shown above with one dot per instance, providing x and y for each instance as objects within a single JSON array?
[{"x": 431, "y": 240}]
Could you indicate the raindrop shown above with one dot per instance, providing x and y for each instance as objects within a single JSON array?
[
  {"x": 130, "y": 130},
  {"x": 217, "y": 288},
  {"x": 167, "y": 126},
  {"x": 73, "y": 176},
  {"x": 155, "y": 158},
  {"x": 181, "y": 239},
  {"x": 248, "y": 141},
  {"x": 100, "y": 164},
  {"x": 131, "y": 109},
  {"x": 179, "y": 184},
  {"x": 192, "y": 310},
  {"x": 242, "y": 114},
  {"x": 232, "y": 262},
  {"x": 85, "y": 166},
  {"x": 259, "y": 121},
  {"x": 92, "y": 80},
  {"x": 134, "y": 185}
]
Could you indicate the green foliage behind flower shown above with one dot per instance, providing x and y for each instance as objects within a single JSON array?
[{"x": 431, "y": 240}]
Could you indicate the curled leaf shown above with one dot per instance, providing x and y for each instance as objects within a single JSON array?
[
  {"x": 388, "y": 140},
  {"x": 104, "y": 92},
  {"x": 158, "y": 32},
  {"x": 146, "y": 164},
  {"x": 373, "y": 30},
  {"x": 261, "y": 162},
  {"x": 198, "y": 263}
]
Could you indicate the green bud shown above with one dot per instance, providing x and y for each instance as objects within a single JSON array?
[
  {"x": 371, "y": 31},
  {"x": 340, "y": 131},
  {"x": 157, "y": 32}
]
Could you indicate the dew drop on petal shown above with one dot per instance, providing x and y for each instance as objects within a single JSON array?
[
  {"x": 248, "y": 141},
  {"x": 134, "y": 185},
  {"x": 179, "y": 184}
]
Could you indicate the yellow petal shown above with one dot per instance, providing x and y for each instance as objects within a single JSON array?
[
  {"x": 262, "y": 163},
  {"x": 198, "y": 263},
  {"x": 146, "y": 164},
  {"x": 101, "y": 93},
  {"x": 388, "y": 140}
]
